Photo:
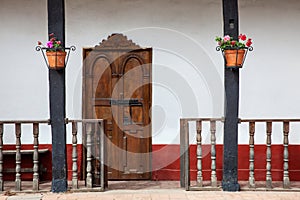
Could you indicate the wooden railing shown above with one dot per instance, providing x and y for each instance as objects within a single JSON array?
[
  {"x": 95, "y": 176},
  {"x": 185, "y": 153},
  {"x": 18, "y": 131},
  {"x": 94, "y": 179},
  {"x": 268, "y": 131}
]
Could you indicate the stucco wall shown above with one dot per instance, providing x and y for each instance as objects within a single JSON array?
[{"x": 187, "y": 71}]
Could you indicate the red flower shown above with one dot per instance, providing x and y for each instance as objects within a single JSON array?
[
  {"x": 233, "y": 43},
  {"x": 249, "y": 42},
  {"x": 242, "y": 37},
  {"x": 51, "y": 34},
  {"x": 40, "y": 43}
]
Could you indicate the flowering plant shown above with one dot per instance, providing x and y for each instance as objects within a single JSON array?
[
  {"x": 53, "y": 44},
  {"x": 227, "y": 42}
]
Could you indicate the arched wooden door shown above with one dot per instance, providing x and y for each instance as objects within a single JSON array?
[{"x": 117, "y": 87}]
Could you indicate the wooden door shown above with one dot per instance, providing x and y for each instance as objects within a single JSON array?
[{"x": 117, "y": 87}]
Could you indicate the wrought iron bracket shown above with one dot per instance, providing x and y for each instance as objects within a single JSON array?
[
  {"x": 66, "y": 49},
  {"x": 218, "y": 48}
]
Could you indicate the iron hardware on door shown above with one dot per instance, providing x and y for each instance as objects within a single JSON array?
[
  {"x": 127, "y": 120},
  {"x": 126, "y": 102}
]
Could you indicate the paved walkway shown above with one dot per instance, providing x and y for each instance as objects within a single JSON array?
[
  {"x": 158, "y": 194},
  {"x": 153, "y": 190}
]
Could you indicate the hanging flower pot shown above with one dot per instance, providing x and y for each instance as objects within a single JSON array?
[
  {"x": 55, "y": 54},
  {"x": 234, "y": 57},
  {"x": 234, "y": 52},
  {"x": 56, "y": 59}
]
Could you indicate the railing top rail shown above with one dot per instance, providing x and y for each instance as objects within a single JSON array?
[
  {"x": 24, "y": 121},
  {"x": 270, "y": 120},
  {"x": 85, "y": 120},
  {"x": 203, "y": 119},
  {"x": 244, "y": 120},
  {"x": 48, "y": 121}
]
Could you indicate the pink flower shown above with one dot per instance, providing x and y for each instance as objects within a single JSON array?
[
  {"x": 242, "y": 37},
  {"x": 226, "y": 38},
  {"x": 49, "y": 44},
  {"x": 58, "y": 42}
]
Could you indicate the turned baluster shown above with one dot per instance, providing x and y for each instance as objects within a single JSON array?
[
  {"x": 269, "y": 156},
  {"x": 103, "y": 175},
  {"x": 74, "y": 156},
  {"x": 18, "y": 157},
  {"x": 199, "y": 154},
  {"x": 286, "y": 178},
  {"x": 96, "y": 131},
  {"x": 35, "y": 184},
  {"x": 251, "y": 154},
  {"x": 213, "y": 154},
  {"x": 89, "y": 180}
]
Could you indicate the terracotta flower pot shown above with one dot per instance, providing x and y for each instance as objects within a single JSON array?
[
  {"x": 56, "y": 59},
  {"x": 234, "y": 57}
]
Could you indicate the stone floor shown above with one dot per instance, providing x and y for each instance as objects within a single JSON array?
[
  {"x": 151, "y": 190},
  {"x": 158, "y": 194}
]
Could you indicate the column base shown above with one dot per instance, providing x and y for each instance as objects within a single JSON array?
[
  {"x": 59, "y": 185},
  {"x": 230, "y": 186}
]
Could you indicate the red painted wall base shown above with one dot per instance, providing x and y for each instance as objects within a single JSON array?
[
  {"x": 45, "y": 161},
  {"x": 163, "y": 169},
  {"x": 166, "y": 162}
]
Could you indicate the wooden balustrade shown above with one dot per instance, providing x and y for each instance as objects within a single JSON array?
[
  {"x": 185, "y": 152},
  {"x": 268, "y": 131},
  {"x": 94, "y": 145},
  {"x": 95, "y": 179},
  {"x": 18, "y": 152},
  {"x": 95, "y": 152}
]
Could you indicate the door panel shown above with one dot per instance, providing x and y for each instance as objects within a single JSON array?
[
  {"x": 104, "y": 84},
  {"x": 133, "y": 116}
]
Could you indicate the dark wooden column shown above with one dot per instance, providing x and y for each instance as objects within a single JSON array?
[
  {"x": 56, "y": 25},
  {"x": 230, "y": 156}
]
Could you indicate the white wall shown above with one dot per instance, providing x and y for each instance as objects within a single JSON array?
[
  {"x": 184, "y": 76},
  {"x": 187, "y": 71},
  {"x": 270, "y": 80},
  {"x": 23, "y": 76}
]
